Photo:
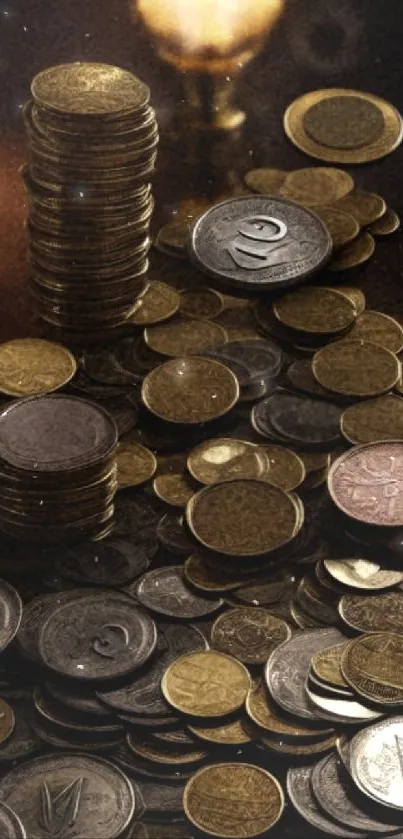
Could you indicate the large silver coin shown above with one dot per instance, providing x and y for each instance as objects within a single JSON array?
[{"x": 376, "y": 755}]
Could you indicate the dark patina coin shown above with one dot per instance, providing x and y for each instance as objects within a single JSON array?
[
  {"x": 344, "y": 122},
  {"x": 259, "y": 242},
  {"x": 305, "y": 422},
  {"x": 299, "y": 788},
  {"x": 366, "y": 613},
  {"x": 34, "y": 615},
  {"x": 108, "y": 563},
  {"x": 11, "y": 826},
  {"x": 160, "y": 800},
  {"x": 78, "y": 701},
  {"x": 135, "y": 514},
  {"x": 249, "y": 634},
  {"x": 23, "y": 742},
  {"x": 164, "y": 590},
  {"x": 10, "y": 613},
  {"x": 99, "y": 637}
]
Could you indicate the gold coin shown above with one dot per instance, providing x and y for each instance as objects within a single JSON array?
[
  {"x": 89, "y": 89},
  {"x": 158, "y": 303},
  {"x": 148, "y": 751},
  {"x": 343, "y": 126},
  {"x": 249, "y": 633},
  {"x": 343, "y": 227},
  {"x": 230, "y": 734},
  {"x": 354, "y": 254},
  {"x": 385, "y": 226},
  {"x": 204, "y": 303},
  {"x": 365, "y": 207},
  {"x": 307, "y": 749},
  {"x": 373, "y": 420},
  {"x": 286, "y": 469},
  {"x": 233, "y": 800},
  {"x": 315, "y": 310},
  {"x": 31, "y": 366},
  {"x": 263, "y": 713},
  {"x": 174, "y": 234},
  {"x": 265, "y": 181},
  {"x": 317, "y": 185},
  {"x": 226, "y": 458},
  {"x": 326, "y": 665},
  {"x": 174, "y": 488},
  {"x": 135, "y": 463},
  {"x": 371, "y": 665},
  {"x": 205, "y": 577},
  {"x": 380, "y": 329},
  {"x": 206, "y": 684},
  {"x": 7, "y": 721},
  {"x": 184, "y": 336},
  {"x": 356, "y": 368},
  {"x": 356, "y": 296}
]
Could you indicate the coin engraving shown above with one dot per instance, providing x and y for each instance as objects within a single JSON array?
[
  {"x": 367, "y": 483},
  {"x": 59, "y": 812}
]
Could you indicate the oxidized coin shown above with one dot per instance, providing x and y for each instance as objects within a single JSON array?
[
  {"x": 98, "y": 637},
  {"x": 233, "y": 800},
  {"x": 317, "y": 185},
  {"x": 315, "y": 310},
  {"x": 135, "y": 463},
  {"x": 7, "y": 722},
  {"x": 175, "y": 488},
  {"x": 373, "y": 420},
  {"x": 376, "y": 761},
  {"x": 365, "y": 613},
  {"x": 10, "y": 613},
  {"x": 357, "y": 252},
  {"x": 366, "y": 483},
  {"x": 356, "y": 368},
  {"x": 224, "y": 458},
  {"x": 299, "y": 788},
  {"x": 299, "y": 375},
  {"x": 365, "y": 207},
  {"x": 249, "y": 634},
  {"x": 184, "y": 336},
  {"x": 386, "y": 225},
  {"x": 356, "y": 296},
  {"x": 206, "y": 684},
  {"x": 362, "y": 574},
  {"x": 174, "y": 234},
  {"x": 201, "y": 303},
  {"x": 30, "y": 366},
  {"x": 112, "y": 562},
  {"x": 243, "y": 518},
  {"x": 70, "y": 796},
  {"x": 372, "y": 666},
  {"x": 208, "y": 578},
  {"x": 262, "y": 712},
  {"x": 265, "y": 181},
  {"x": 229, "y": 734},
  {"x": 305, "y": 422},
  {"x": 163, "y": 591},
  {"x": 23, "y": 741},
  {"x": 342, "y": 226},
  {"x": 286, "y": 469},
  {"x": 11, "y": 826},
  {"x": 378, "y": 328},
  {"x": 326, "y": 665},
  {"x": 259, "y": 242},
  {"x": 89, "y": 89},
  {"x": 159, "y": 302}
]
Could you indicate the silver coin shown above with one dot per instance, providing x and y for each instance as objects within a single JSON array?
[
  {"x": 34, "y": 615},
  {"x": 300, "y": 792},
  {"x": 11, "y": 826},
  {"x": 376, "y": 755},
  {"x": 163, "y": 590},
  {"x": 23, "y": 742},
  {"x": 259, "y": 242},
  {"x": 10, "y": 613},
  {"x": 340, "y": 709},
  {"x": 362, "y": 574}
]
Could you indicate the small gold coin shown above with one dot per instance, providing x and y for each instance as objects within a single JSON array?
[
  {"x": 208, "y": 578},
  {"x": 135, "y": 463},
  {"x": 365, "y": 207},
  {"x": 31, "y": 366},
  {"x": 326, "y": 665},
  {"x": 89, "y": 89},
  {"x": 159, "y": 302},
  {"x": 356, "y": 368},
  {"x": 315, "y": 310},
  {"x": 356, "y": 296},
  {"x": 354, "y": 254},
  {"x": 385, "y": 226},
  {"x": 206, "y": 684},
  {"x": 174, "y": 234},
  {"x": 204, "y": 303},
  {"x": 249, "y": 633},
  {"x": 378, "y": 328},
  {"x": 174, "y": 488},
  {"x": 343, "y": 227},
  {"x": 302, "y": 750},
  {"x": 317, "y": 185},
  {"x": 262, "y": 712},
  {"x": 286, "y": 469},
  {"x": 265, "y": 181},
  {"x": 7, "y": 721},
  {"x": 226, "y": 458},
  {"x": 148, "y": 751},
  {"x": 371, "y": 665},
  {"x": 233, "y": 800},
  {"x": 229, "y": 734},
  {"x": 184, "y": 336},
  {"x": 373, "y": 420}
]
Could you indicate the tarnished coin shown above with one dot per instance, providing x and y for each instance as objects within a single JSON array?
[
  {"x": 7, "y": 722},
  {"x": 174, "y": 234},
  {"x": 11, "y": 826},
  {"x": 201, "y": 303},
  {"x": 265, "y": 181},
  {"x": 376, "y": 761},
  {"x": 163, "y": 590},
  {"x": 225, "y": 457},
  {"x": 365, "y": 207},
  {"x": 112, "y": 562},
  {"x": 105, "y": 368},
  {"x": 307, "y": 750},
  {"x": 299, "y": 788},
  {"x": 10, "y": 613},
  {"x": 326, "y": 665},
  {"x": 30, "y": 366},
  {"x": 300, "y": 376},
  {"x": 249, "y": 634},
  {"x": 135, "y": 463},
  {"x": 356, "y": 368},
  {"x": 365, "y": 483},
  {"x": 365, "y": 613},
  {"x": 159, "y": 302},
  {"x": 233, "y": 800},
  {"x": 89, "y": 89},
  {"x": 259, "y": 242},
  {"x": 263, "y": 713},
  {"x": 184, "y": 336},
  {"x": 373, "y": 420},
  {"x": 378, "y": 328},
  {"x": 70, "y": 795},
  {"x": 159, "y": 800},
  {"x": 174, "y": 488},
  {"x": 286, "y": 469},
  {"x": 343, "y": 227},
  {"x": 356, "y": 296},
  {"x": 354, "y": 254},
  {"x": 232, "y": 733},
  {"x": 243, "y": 518},
  {"x": 388, "y": 223},
  {"x": 23, "y": 741},
  {"x": 305, "y": 422},
  {"x": 371, "y": 665},
  {"x": 317, "y": 185},
  {"x": 362, "y": 574},
  {"x": 206, "y": 684},
  {"x": 98, "y": 637},
  {"x": 208, "y": 578},
  {"x": 315, "y": 310}
]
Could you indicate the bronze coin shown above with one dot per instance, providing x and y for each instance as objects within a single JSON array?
[
  {"x": 373, "y": 420},
  {"x": 266, "y": 181},
  {"x": 135, "y": 464},
  {"x": 357, "y": 252},
  {"x": 342, "y": 226},
  {"x": 225, "y": 458},
  {"x": 317, "y": 185},
  {"x": 380, "y": 329},
  {"x": 262, "y": 711},
  {"x": 206, "y": 684},
  {"x": 356, "y": 368},
  {"x": 356, "y": 296},
  {"x": 208, "y": 578},
  {"x": 365, "y": 207},
  {"x": 326, "y": 665},
  {"x": 301, "y": 750},
  {"x": 366, "y": 483},
  {"x": 174, "y": 488},
  {"x": 158, "y": 303},
  {"x": 286, "y": 469},
  {"x": 315, "y": 310},
  {"x": 372, "y": 666},
  {"x": 386, "y": 225},
  {"x": 383, "y": 613},
  {"x": 184, "y": 336},
  {"x": 204, "y": 303},
  {"x": 249, "y": 634}
]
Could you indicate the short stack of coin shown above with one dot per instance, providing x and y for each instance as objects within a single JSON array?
[
  {"x": 57, "y": 468},
  {"x": 92, "y": 150}
]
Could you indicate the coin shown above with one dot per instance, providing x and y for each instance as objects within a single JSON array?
[
  {"x": 248, "y": 800},
  {"x": 370, "y": 472},
  {"x": 10, "y": 613},
  {"x": 386, "y": 225},
  {"x": 263, "y": 713},
  {"x": 259, "y": 242},
  {"x": 366, "y": 613},
  {"x": 159, "y": 302},
  {"x": 304, "y": 422},
  {"x": 206, "y": 578},
  {"x": 300, "y": 376},
  {"x": 315, "y": 310},
  {"x": 201, "y": 303},
  {"x": 30, "y": 366},
  {"x": 61, "y": 792},
  {"x": 175, "y": 488},
  {"x": 317, "y": 185},
  {"x": 249, "y": 634},
  {"x": 184, "y": 336},
  {"x": 10, "y": 825},
  {"x": 23, "y": 742},
  {"x": 378, "y": 328},
  {"x": 189, "y": 390},
  {"x": 356, "y": 368},
  {"x": 225, "y": 457},
  {"x": 342, "y": 226},
  {"x": 371, "y": 666},
  {"x": 174, "y": 234},
  {"x": 286, "y": 469},
  {"x": 357, "y": 252},
  {"x": 113, "y": 562},
  {"x": 7, "y": 721},
  {"x": 206, "y": 684},
  {"x": 135, "y": 463},
  {"x": 108, "y": 89},
  {"x": 376, "y": 761},
  {"x": 343, "y": 126},
  {"x": 229, "y": 734},
  {"x": 243, "y": 518},
  {"x": 266, "y": 181},
  {"x": 374, "y": 419},
  {"x": 362, "y": 574},
  {"x": 356, "y": 296},
  {"x": 163, "y": 590},
  {"x": 365, "y": 207},
  {"x": 325, "y": 665},
  {"x": 299, "y": 788}
]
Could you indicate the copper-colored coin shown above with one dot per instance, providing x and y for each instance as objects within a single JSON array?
[
  {"x": 301, "y": 378},
  {"x": 190, "y": 390},
  {"x": 356, "y": 368},
  {"x": 263, "y": 713},
  {"x": 386, "y": 225},
  {"x": 373, "y": 666},
  {"x": 174, "y": 234},
  {"x": 208, "y": 578},
  {"x": 184, "y": 336},
  {"x": 313, "y": 461},
  {"x": 249, "y": 634},
  {"x": 366, "y": 613},
  {"x": 159, "y": 302},
  {"x": 174, "y": 488},
  {"x": 286, "y": 469},
  {"x": 366, "y": 483},
  {"x": 356, "y": 296},
  {"x": 7, "y": 721},
  {"x": 343, "y": 227},
  {"x": 226, "y": 458},
  {"x": 233, "y": 800},
  {"x": 317, "y": 185},
  {"x": 373, "y": 420},
  {"x": 380, "y": 329},
  {"x": 243, "y": 518},
  {"x": 357, "y": 252},
  {"x": 230, "y": 734},
  {"x": 266, "y": 181},
  {"x": 308, "y": 749},
  {"x": 89, "y": 89},
  {"x": 169, "y": 757},
  {"x": 315, "y": 310},
  {"x": 326, "y": 665},
  {"x": 135, "y": 463},
  {"x": 206, "y": 684},
  {"x": 205, "y": 303},
  {"x": 362, "y": 574},
  {"x": 365, "y": 207},
  {"x": 31, "y": 366}
]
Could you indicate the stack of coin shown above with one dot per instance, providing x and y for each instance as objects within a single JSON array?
[
  {"x": 92, "y": 149},
  {"x": 57, "y": 467}
]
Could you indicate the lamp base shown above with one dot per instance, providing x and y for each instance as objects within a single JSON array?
[{"x": 209, "y": 102}]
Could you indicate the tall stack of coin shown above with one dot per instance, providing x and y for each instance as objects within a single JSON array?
[
  {"x": 92, "y": 149},
  {"x": 58, "y": 475}
]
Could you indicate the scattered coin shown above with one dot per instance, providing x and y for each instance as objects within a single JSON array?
[
  {"x": 174, "y": 234},
  {"x": 388, "y": 223},
  {"x": 317, "y": 185},
  {"x": 260, "y": 708},
  {"x": 163, "y": 590},
  {"x": 362, "y": 574},
  {"x": 357, "y": 252},
  {"x": 159, "y": 302},
  {"x": 229, "y": 734},
  {"x": 297, "y": 420},
  {"x": 208, "y": 684},
  {"x": 315, "y": 310},
  {"x": 249, "y": 634},
  {"x": 371, "y": 666},
  {"x": 30, "y": 366},
  {"x": 342, "y": 226},
  {"x": 135, "y": 463},
  {"x": 365, "y": 613},
  {"x": 326, "y": 665},
  {"x": 201, "y": 303},
  {"x": 174, "y": 488},
  {"x": 374, "y": 419},
  {"x": 356, "y": 368},
  {"x": 286, "y": 469},
  {"x": 184, "y": 336},
  {"x": 364, "y": 475},
  {"x": 378, "y": 328},
  {"x": 266, "y": 181},
  {"x": 224, "y": 458},
  {"x": 373, "y": 749}
]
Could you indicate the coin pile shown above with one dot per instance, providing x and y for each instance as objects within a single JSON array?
[{"x": 92, "y": 149}]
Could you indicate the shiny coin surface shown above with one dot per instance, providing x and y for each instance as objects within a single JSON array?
[
  {"x": 206, "y": 684},
  {"x": 362, "y": 481},
  {"x": 373, "y": 420},
  {"x": 389, "y": 223},
  {"x": 317, "y": 185},
  {"x": 342, "y": 226},
  {"x": 356, "y": 368},
  {"x": 184, "y": 336},
  {"x": 11, "y": 826},
  {"x": 247, "y": 800},
  {"x": 163, "y": 590},
  {"x": 371, "y": 751},
  {"x": 89, "y": 89},
  {"x": 378, "y": 328},
  {"x": 159, "y": 302},
  {"x": 31, "y": 366},
  {"x": 259, "y": 242},
  {"x": 201, "y": 303},
  {"x": 365, "y": 207},
  {"x": 325, "y": 665},
  {"x": 249, "y": 634},
  {"x": 315, "y": 310},
  {"x": 265, "y": 181},
  {"x": 365, "y": 613},
  {"x": 362, "y": 574},
  {"x": 224, "y": 458},
  {"x": 299, "y": 788},
  {"x": 286, "y": 469},
  {"x": 354, "y": 254},
  {"x": 135, "y": 463},
  {"x": 371, "y": 666}
]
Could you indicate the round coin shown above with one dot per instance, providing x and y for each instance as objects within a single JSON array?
[
  {"x": 376, "y": 762},
  {"x": 362, "y": 574},
  {"x": 357, "y": 252},
  {"x": 184, "y": 336},
  {"x": 174, "y": 488},
  {"x": 302, "y": 421},
  {"x": 7, "y": 722},
  {"x": 206, "y": 684},
  {"x": 89, "y": 89},
  {"x": 372, "y": 666},
  {"x": 265, "y": 181},
  {"x": 365, "y": 207},
  {"x": 286, "y": 469},
  {"x": 249, "y": 634},
  {"x": 229, "y": 734},
  {"x": 380, "y": 329},
  {"x": 342, "y": 226},
  {"x": 201, "y": 303},
  {"x": 135, "y": 463},
  {"x": 299, "y": 788},
  {"x": 356, "y": 368},
  {"x": 373, "y": 420},
  {"x": 262, "y": 712},
  {"x": 10, "y": 825},
  {"x": 365, "y": 613},
  {"x": 363, "y": 481},
  {"x": 325, "y": 665},
  {"x": 112, "y": 562},
  {"x": 31, "y": 366},
  {"x": 163, "y": 591},
  {"x": 233, "y": 800},
  {"x": 159, "y": 302},
  {"x": 225, "y": 458},
  {"x": 315, "y": 310},
  {"x": 10, "y": 613},
  {"x": 317, "y": 185},
  {"x": 386, "y": 225},
  {"x": 259, "y": 242}
]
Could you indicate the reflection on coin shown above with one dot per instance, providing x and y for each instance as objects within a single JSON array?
[
  {"x": 233, "y": 800},
  {"x": 299, "y": 788},
  {"x": 326, "y": 665},
  {"x": 357, "y": 252},
  {"x": 208, "y": 684},
  {"x": 362, "y": 574},
  {"x": 315, "y": 310},
  {"x": 163, "y": 590},
  {"x": 374, "y": 419},
  {"x": 249, "y": 634},
  {"x": 376, "y": 761},
  {"x": 371, "y": 664},
  {"x": 11, "y": 826},
  {"x": 378, "y": 328},
  {"x": 184, "y": 336},
  {"x": 340, "y": 709},
  {"x": 286, "y": 469},
  {"x": 135, "y": 463},
  {"x": 386, "y": 225},
  {"x": 30, "y": 366},
  {"x": 362, "y": 481},
  {"x": 266, "y": 181},
  {"x": 356, "y": 368},
  {"x": 342, "y": 226},
  {"x": 229, "y": 734},
  {"x": 225, "y": 457},
  {"x": 383, "y": 613},
  {"x": 159, "y": 302},
  {"x": 317, "y": 185},
  {"x": 201, "y": 303}
]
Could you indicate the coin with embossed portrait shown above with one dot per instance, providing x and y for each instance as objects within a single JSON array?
[{"x": 366, "y": 483}]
